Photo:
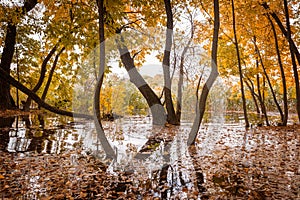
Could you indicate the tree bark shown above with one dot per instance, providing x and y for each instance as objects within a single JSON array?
[
  {"x": 285, "y": 100},
  {"x": 171, "y": 117},
  {"x": 180, "y": 81},
  {"x": 41, "y": 78},
  {"x": 6, "y": 100},
  {"x": 260, "y": 96},
  {"x": 253, "y": 94},
  {"x": 6, "y": 59},
  {"x": 294, "y": 51},
  {"x": 5, "y": 77},
  {"x": 239, "y": 65},
  {"x": 268, "y": 80},
  {"x": 157, "y": 109},
  {"x": 284, "y": 31},
  {"x": 211, "y": 79},
  {"x": 97, "y": 115},
  {"x": 51, "y": 74}
]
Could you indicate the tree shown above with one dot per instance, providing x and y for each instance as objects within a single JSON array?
[
  {"x": 181, "y": 68},
  {"x": 42, "y": 76},
  {"x": 52, "y": 70},
  {"x": 294, "y": 53},
  {"x": 293, "y": 48},
  {"x": 239, "y": 65},
  {"x": 97, "y": 115},
  {"x": 285, "y": 98},
  {"x": 211, "y": 79},
  {"x": 6, "y": 101},
  {"x": 268, "y": 79},
  {"x": 157, "y": 110},
  {"x": 4, "y": 76},
  {"x": 171, "y": 117}
]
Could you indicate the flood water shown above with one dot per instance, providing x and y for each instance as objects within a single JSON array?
[{"x": 227, "y": 162}]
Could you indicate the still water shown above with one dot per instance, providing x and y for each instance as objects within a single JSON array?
[{"x": 228, "y": 160}]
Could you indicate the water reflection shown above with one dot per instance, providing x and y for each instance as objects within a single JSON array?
[
  {"x": 5, "y": 125},
  {"x": 226, "y": 161},
  {"x": 38, "y": 134}
]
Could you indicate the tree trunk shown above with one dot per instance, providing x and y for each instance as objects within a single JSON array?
[
  {"x": 294, "y": 52},
  {"x": 211, "y": 79},
  {"x": 179, "y": 90},
  {"x": 171, "y": 117},
  {"x": 97, "y": 115},
  {"x": 284, "y": 31},
  {"x": 5, "y": 77},
  {"x": 260, "y": 97},
  {"x": 268, "y": 79},
  {"x": 253, "y": 94},
  {"x": 157, "y": 109},
  {"x": 6, "y": 100},
  {"x": 285, "y": 100},
  {"x": 41, "y": 78},
  {"x": 239, "y": 65},
  {"x": 6, "y": 59},
  {"x": 51, "y": 74},
  {"x": 180, "y": 81}
]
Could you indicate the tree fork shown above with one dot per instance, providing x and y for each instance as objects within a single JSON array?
[{"x": 211, "y": 79}]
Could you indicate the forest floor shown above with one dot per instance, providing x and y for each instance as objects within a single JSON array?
[{"x": 264, "y": 164}]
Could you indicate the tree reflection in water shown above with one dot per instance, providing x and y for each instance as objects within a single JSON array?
[
  {"x": 261, "y": 163},
  {"x": 37, "y": 134}
]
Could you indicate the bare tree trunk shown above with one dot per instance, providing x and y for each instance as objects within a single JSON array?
[
  {"x": 285, "y": 100},
  {"x": 268, "y": 79},
  {"x": 284, "y": 31},
  {"x": 171, "y": 117},
  {"x": 253, "y": 94},
  {"x": 4, "y": 76},
  {"x": 97, "y": 115},
  {"x": 211, "y": 79},
  {"x": 260, "y": 97},
  {"x": 51, "y": 74},
  {"x": 42, "y": 76},
  {"x": 157, "y": 109},
  {"x": 239, "y": 65},
  {"x": 6, "y": 100},
  {"x": 293, "y": 53},
  {"x": 181, "y": 66},
  {"x": 6, "y": 59}
]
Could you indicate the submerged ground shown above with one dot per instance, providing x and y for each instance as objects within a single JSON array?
[{"x": 47, "y": 157}]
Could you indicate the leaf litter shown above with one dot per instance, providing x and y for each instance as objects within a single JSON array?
[{"x": 260, "y": 163}]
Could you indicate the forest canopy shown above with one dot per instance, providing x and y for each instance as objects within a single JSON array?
[{"x": 52, "y": 48}]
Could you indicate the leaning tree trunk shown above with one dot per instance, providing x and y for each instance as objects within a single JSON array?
[
  {"x": 268, "y": 79},
  {"x": 253, "y": 94},
  {"x": 5, "y": 77},
  {"x": 171, "y": 118},
  {"x": 6, "y": 101},
  {"x": 51, "y": 73},
  {"x": 42, "y": 76},
  {"x": 284, "y": 31},
  {"x": 157, "y": 109},
  {"x": 239, "y": 65},
  {"x": 285, "y": 100},
  {"x": 293, "y": 53},
  {"x": 211, "y": 79},
  {"x": 293, "y": 48}
]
